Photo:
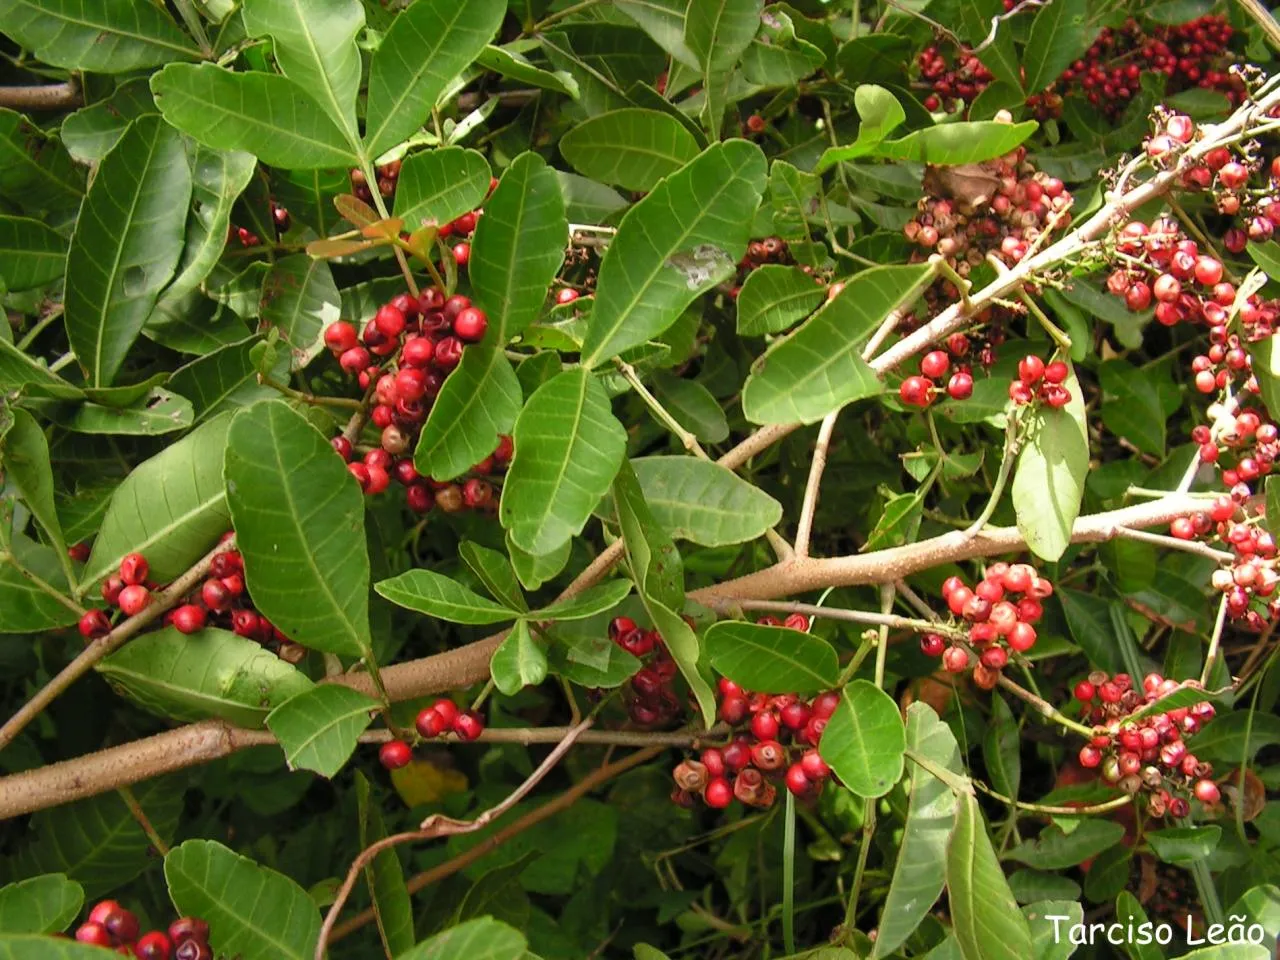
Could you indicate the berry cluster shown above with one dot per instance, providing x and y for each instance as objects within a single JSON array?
[
  {"x": 440, "y": 718},
  {"x": 1147, "y": 754},
  {"x": 1040, "y": 381},
  {"x": 651, "y": 698},
  {"x": 919, "y": 391},
  {"x": 221, "y": 600},
  {"x": 462, "y": 226},
  {"x": 111, "y": 925},
  {"x": 1002, "y": 610},
  {"x": 1109, "y": 75},
  {"x": 388, "y": 176},
  {"x": 778, "y": 737},
  {"x": 418, "y": 342},
  {"x": 760, "y": 252}
]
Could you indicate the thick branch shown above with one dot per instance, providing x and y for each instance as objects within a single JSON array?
[
  {"x": 45, "y": 96},
  {"x": 199, "y": 743}
]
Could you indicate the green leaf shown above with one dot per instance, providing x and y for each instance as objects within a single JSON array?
[
  {"x": 495, "y": 572},
  {"x": 535, "y": 569},
  {"x": 819, "y": 368},
  {"x": 881, "y": 114},
  {"x": 31, "y": 254},
  {"x": 1184, "y": 845},
  {"x": 508, "y": 62},
  {"x": 482, "y": 939},
  {"x": 632, "y": 148},
  {"x": 776, "y": 56},
  {"x": 1230, "y": 951},
  {"x": 1267, "y": 256},
  {"x": 227, "y": 379},
  {"x": 898, "y": 523},
  {"x": 254, "y": 913},
  {"x": 44, "y": 904},
  {"x": 1055, "y": 850},
  {"x": 1131, "y": 405},
  {"x": 18, "y": 371},
  {"x": 953, "y": 144},
  {"x": 36, "y": 173},
  {"x": 316, "y": 49},
  {"x": 1109, "y": 873},
  {"x": 440, "y": 185},
  {"x": 1260, "y": 904},
  {"x": 437, "y": 596},
  {"x": 1031, "y": 885},
  {"x": 265, "y": 114},
  {"x": 218, "y": 177},
  {"x": 212, "y": 673},
  {"x": 427, "y": 45},
  {"x": 300, "y": 299},
  {"x": 774, "y": 297},
  {"x": 171, "y": 508},
  {"x": 704, "y": 502},
  {"x": 24, "y": 607},
  {"x": 1182, "y": 697},
  {"x": 97, "y": 842},
  {"x": 1000, "y": 56},
  {"x": 1089, "y": 620},
  {"x": 987, "y": 922},
  {"x": 1047, "y": 942},
  {"x": 92, "y": 131},
  {"x": 116, "y": 37},
  {"x": 771, "y": 659},
  {"x": 319, "y": 727},
  {"x": 393, "y": 911},
  {"x": 675, "y": 244},
  {"x": 299, "y": 521},
  {"x": 24, "y": 453},
  {"x": 517, "y": 250},
  {"x": 568, "y": 448},
  {"x": 588, "y": 603},
  {"x": 33, "y": 947},
  {"x": 126, "y": 244},
  {"x": 1060, "y": 34},
  {"x": 1127, "y": 906},
  {"x": 519, "y": 661},
  {"x": 873, "y": 59},
  {"x": 920, "y": 872},
  {"x": 693, "y": 406},
  {"x": 1048, "y": 483},
  {"x": 584, "y": 654},
  {"x": 718, "y": 34},
  {"x": 796, "y": 197},
  {"x": 865, "y": 741},
  {"x": 1001, "y": 748},
  {"x": 659, "y": 576}
]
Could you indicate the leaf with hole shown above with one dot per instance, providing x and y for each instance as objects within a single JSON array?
[
  {"x": 319, "y": 727},
  {"x": 517, "y": 250},
  {"x": 987, "y": 922},
  {"x": 428, "y": 44},
  {"x": 126, "y": 244},
  {"x": 211, "y": 673},
  {"x": 675, "y": 244},
  {"x": 865, "y": 740},
  {"x": 818, "y": 367},
  {"x": 568, "y": 447},
  {"x": 299, "y": 522},
  {"x": 436, "y": 595},
  {"x": 771, "y": 659},
  {"x": 920, "y": 871},
  {"x": 253, "y": 912}
]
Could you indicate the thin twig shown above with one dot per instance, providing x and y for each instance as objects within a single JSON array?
[
  {"x": 887, "y": 620},
  {"x": 1000, "y": 17},
  {"x": 1211, "y": 657},
  {"x": 144, "y": 821},
  {"x": 810, "y": 505},
  {"x": 1011, "y": 434},
  {"x": 1173, "y": 543},
  {"x": 438, "y": 825},
  {"x": 44, "y": 586},
  {"x": 686, "y": 438}
]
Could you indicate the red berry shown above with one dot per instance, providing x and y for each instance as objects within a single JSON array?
[
  {"x": 1084, "y": 691},
  {"x": 566, "y": 295},
  {"x": 354, "y": 360},
  {"x": 1183, "y": 529},
  {"x": 815, "y": 767},
  {"x": 1056, "y": 372},
  {"x": 215, "y": 594},
  {"x": 246, "y": 623},
  {"x": 797, "y": 621},
  {"x": 796, "y": 714},
  {"x": 1030, "y": 369},
  {"x": 340, "y": 336},
  {"x": 764, "y": 725},
  {"x": 462, "y": 253},
  {"x": 916, "y": 392},
  {"x": 417, "y": 352},
  {"x": 465, "y": 223},
  {"x": 1022, "y": 637},
  {"x": 935, "y": 363},
  {"x": 447, "y": 709},
  {"x": 134, "y": 599},
  {"x": 733, "y": 709},
  {"x": 1207, "y": 792},
  {"x": 468, "y": 726},
  {"x": 797, "y": 780},
  {"x": 188, "y": 928},
  {"x": 1233, "y": 175},
  {"x": 932, "y": 645},
  {"x": 134, "y": 568},
  {"x": 390, "y": 321},
  {"x": 960, "y": 386},
  {"x": 1090, "y": 756},
  {"x": 825, "y": 704},
  {"x": 1138, "y": 296},
  {"x": 154, "y": 946},
  {"x": 93, "y": 933},
  {"x": 394, "y": 754},
  {"x": 768, "y": 755},
  {"x": 1208, "y": 272},
  {"x": 470, "y": 325},
  {"x": 430, "y": 723},
  {"x": 718, "y": 793},
  {"x": 955, "y": 660},
  {"x": 188, "y": 618},
  {"x": 755, "y": 123},
  {"x": 94, "y": 624},
  {"x": 122, "y": 924}
]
